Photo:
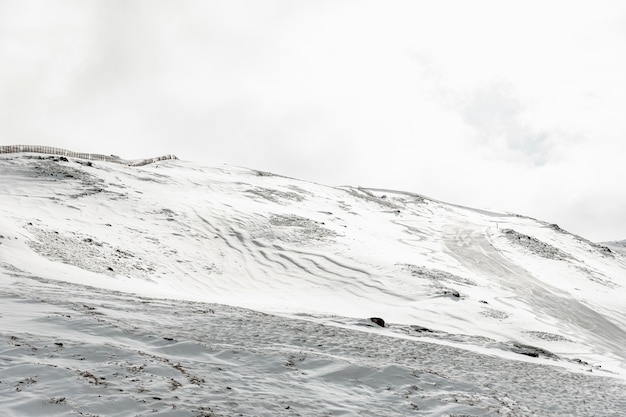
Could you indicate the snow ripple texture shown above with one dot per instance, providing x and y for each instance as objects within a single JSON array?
[
  {"x": 177, "y": 289},
  {"x": 82, "y": 351}
]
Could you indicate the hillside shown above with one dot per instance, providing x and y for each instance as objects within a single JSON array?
[
  {"x": 180, "y": 289},
  {"x": 618, "y": 245}
]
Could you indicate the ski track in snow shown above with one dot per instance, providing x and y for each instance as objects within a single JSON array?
[
  {"x": 470, "y": 245},
  {"x": 106, "y": 273}
]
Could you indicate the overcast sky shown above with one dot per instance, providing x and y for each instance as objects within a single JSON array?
[{"x": 512, "y": 105}]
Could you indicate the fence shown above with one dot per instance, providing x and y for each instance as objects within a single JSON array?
[{"x": 89, "y": 156}]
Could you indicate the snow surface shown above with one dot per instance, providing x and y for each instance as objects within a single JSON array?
[
  {"x": 619, "y": 246},
  {"x": 185, "y": 290}
]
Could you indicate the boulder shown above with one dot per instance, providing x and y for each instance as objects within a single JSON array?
[{"x": 378, "y": 321}]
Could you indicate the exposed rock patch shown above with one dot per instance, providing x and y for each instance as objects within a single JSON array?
[{"x": 535, "y": 245}]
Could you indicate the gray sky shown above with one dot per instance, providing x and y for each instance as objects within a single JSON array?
[{"x": 510, "y": 105}]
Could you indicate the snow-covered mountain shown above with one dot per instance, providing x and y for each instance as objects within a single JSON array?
[
  {"x": 618, "y": 245},
  {"x": 180, "y": 289}
]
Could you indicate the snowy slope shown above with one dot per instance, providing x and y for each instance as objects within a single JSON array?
[
  {"x": 618, "y": 246},
  {"x": 512, "y": 296}
]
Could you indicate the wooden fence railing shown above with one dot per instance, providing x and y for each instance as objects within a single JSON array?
[{"x": 89, "y": 156}]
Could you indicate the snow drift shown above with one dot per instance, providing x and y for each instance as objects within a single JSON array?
[{"x": 494, "y": 297}]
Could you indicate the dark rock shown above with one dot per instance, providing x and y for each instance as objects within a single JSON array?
[
  {"x": 421, "y": 329},
  {"x": 452, "y": 292},
  {"x": 556, "y": 227},
  {"x": 378, "y": 321},
  {"x": 532, "y": 351},
  {"x": 605, "y": 249}
]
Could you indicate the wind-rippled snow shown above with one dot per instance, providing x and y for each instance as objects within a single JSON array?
[{"x": 178, "y": 289}]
